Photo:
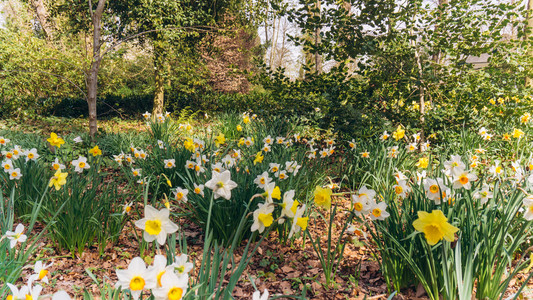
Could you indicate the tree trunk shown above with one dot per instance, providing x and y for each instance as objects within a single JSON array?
[
  {"x": 42, "y": 17},
  {"x": 92, "y": 80},
  {"x": 529, "y": 80},
  {"x": 159, "y": 97},
  {"x": 318, "y": 57}
]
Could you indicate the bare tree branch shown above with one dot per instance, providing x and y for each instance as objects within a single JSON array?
[{"x": 195, "y": 28}]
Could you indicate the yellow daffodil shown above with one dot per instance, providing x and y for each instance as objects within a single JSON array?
[
  {"x": 95, "y": 151},
  {"x": 55, "y": 141},
  {"x": 423, "y": 163},
  {"x": 525, "y": 118},
  {"x": 323, "y": 197},
  {"x": 58, "y": 180},
  {"x": 435, "y": 227},
  {"x": 259, "y": 158},
  {"x": 189, "y": 144},
  {"x": 517, "y": 133},
  {"x": 399, "y": 133},
  {"x": 239, "y": 128},
  {"x": 506, "y": 137},
  {"x": 220, "y": 139}
]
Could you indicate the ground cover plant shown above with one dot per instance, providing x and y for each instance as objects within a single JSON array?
[{"x": 449, "y": 216}]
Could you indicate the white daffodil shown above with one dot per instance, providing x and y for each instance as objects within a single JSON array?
[
  {"x": 411, "y": 147},
  {"x": 496, "y": 169},
  {"x": 221, "y": 184},
  {"x": 135, "y": 172},
  {"x": 454, "y": 165},
  {"x": 249, "y": 142},
  {"x": 399, "y": 175},
  {"x": 218, "y": 167},
  {"x": 420, "y": 176},
  {"x": 271, "y": 192},
  {"x": 181, "y": 265},
  {"x": 366, "y": 194},
  {"x": 181, "y": 194},
  {"x": 127, "y": 208},
  {"x": 299, "y": 221},
  {"x": 56, "y": 165},
  {"x": 263, "y": 217},
  {"x": 78, "y": 140},
  {"x": 16, "y": 236},
  {"x": 262, "y": 180},
  {"x": 292, "y": 167},
  {"x": 266, "y": 148},
  {"x": 528, "y": 203},
  {"x": 189, "y": 164},
  {"x": 402, "y": 189},
  {"x": 172, "y": 287},
  {"x": 17, "y": 294},
  {"x": 169, "y": 163},
  {"x": 360, "y": 205},
  {"x": 257, "y": 295},
  {"x": 15, "y": 174},
  {"x": 199, "y": 189},
  {"x": 463, "y": 179},
  {"x": 41, "y": 270},
  {"x": 159, "y": 268},
  {"x": 136, "y": 278},
  {"x": 274, "y": 167},
  {"x": 7, "y": 165},
  {"x": 282, "y": 175},
  {"x": 352, "y": 144},
  {"x": 80, "y": 164},
  {"x": 17, "y": 151},
  {"x": 484, "y": 194},
  {"x": 378, "y": 211},
  {"x": 61, "y": 295},
  {"x": 288, "y": 206},
  {"x": 268, "y": 140},
  {"x": 31, "y": 154},
  {"x": 156, "y": 224},
  {"x": 3, "y": 141},
  {"x": 436, "y": 190}
]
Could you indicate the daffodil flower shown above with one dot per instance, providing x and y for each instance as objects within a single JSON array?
[
  {"x": 299, "y": 221},
  {"x": 95, "y": 151},
  {"x": 156, "y": 225},
  {"x": 59, "y": 179},
  {"x": 262, "y": 180},
  {"x": 41, "y": 270},
  {"x": 55, "y": 141},
  {"x": 435, "y": 227},
  {"x": 172, "y": 287},
  {"x": 80, "y": 164},
  {"x": 17, "y": 236},
  {"x": 257, "y": 295},
  {"x": 322, "y": 197},
  {"x": 263, "y": 217},
  {"x": 15, "y": 174},
  {"x": 221, "y": 184},
  {"x": 136, "y": 278}
]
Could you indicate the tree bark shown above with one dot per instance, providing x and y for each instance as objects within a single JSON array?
[
  {"x": 159, "y": 97},
  {"x": 318, "y": 57},
  {"x": 43, "y": 17},
  {"x": 92, "y": 80}
]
